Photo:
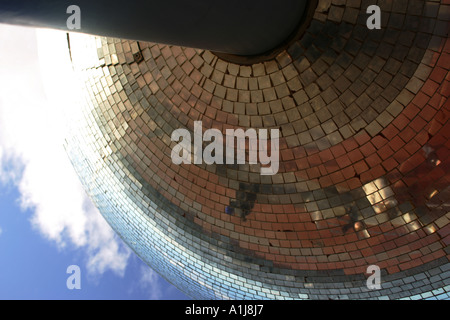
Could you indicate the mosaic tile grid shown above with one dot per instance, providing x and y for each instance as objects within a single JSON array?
[{"x": 364, "y": 158}]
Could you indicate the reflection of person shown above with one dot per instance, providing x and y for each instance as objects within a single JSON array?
[
  {"x": 431, "y": 156},
  {"x": 422, "y": 189},
  {"x": 352, "y": 212},
  {"x": 245, "y": 200}
]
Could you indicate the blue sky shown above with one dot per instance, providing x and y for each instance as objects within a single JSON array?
[
  {"x": 32, "y": 267},
  {"x": 47, "y": 222}
]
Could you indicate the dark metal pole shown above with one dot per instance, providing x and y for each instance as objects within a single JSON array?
[{"x": 240, "y": 27}]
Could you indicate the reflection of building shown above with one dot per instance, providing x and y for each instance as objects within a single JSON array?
[{"x": 363, "y": 180}]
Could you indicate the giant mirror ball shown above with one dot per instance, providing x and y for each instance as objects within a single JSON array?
[{"x": 363, "y": 175}]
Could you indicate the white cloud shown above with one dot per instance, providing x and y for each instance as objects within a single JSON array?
[
  {"x": 31, "y": 152},
  {"x": 150, "y": 283}
]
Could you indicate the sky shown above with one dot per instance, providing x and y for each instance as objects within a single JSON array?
[{"x": 47, "y": 222}]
